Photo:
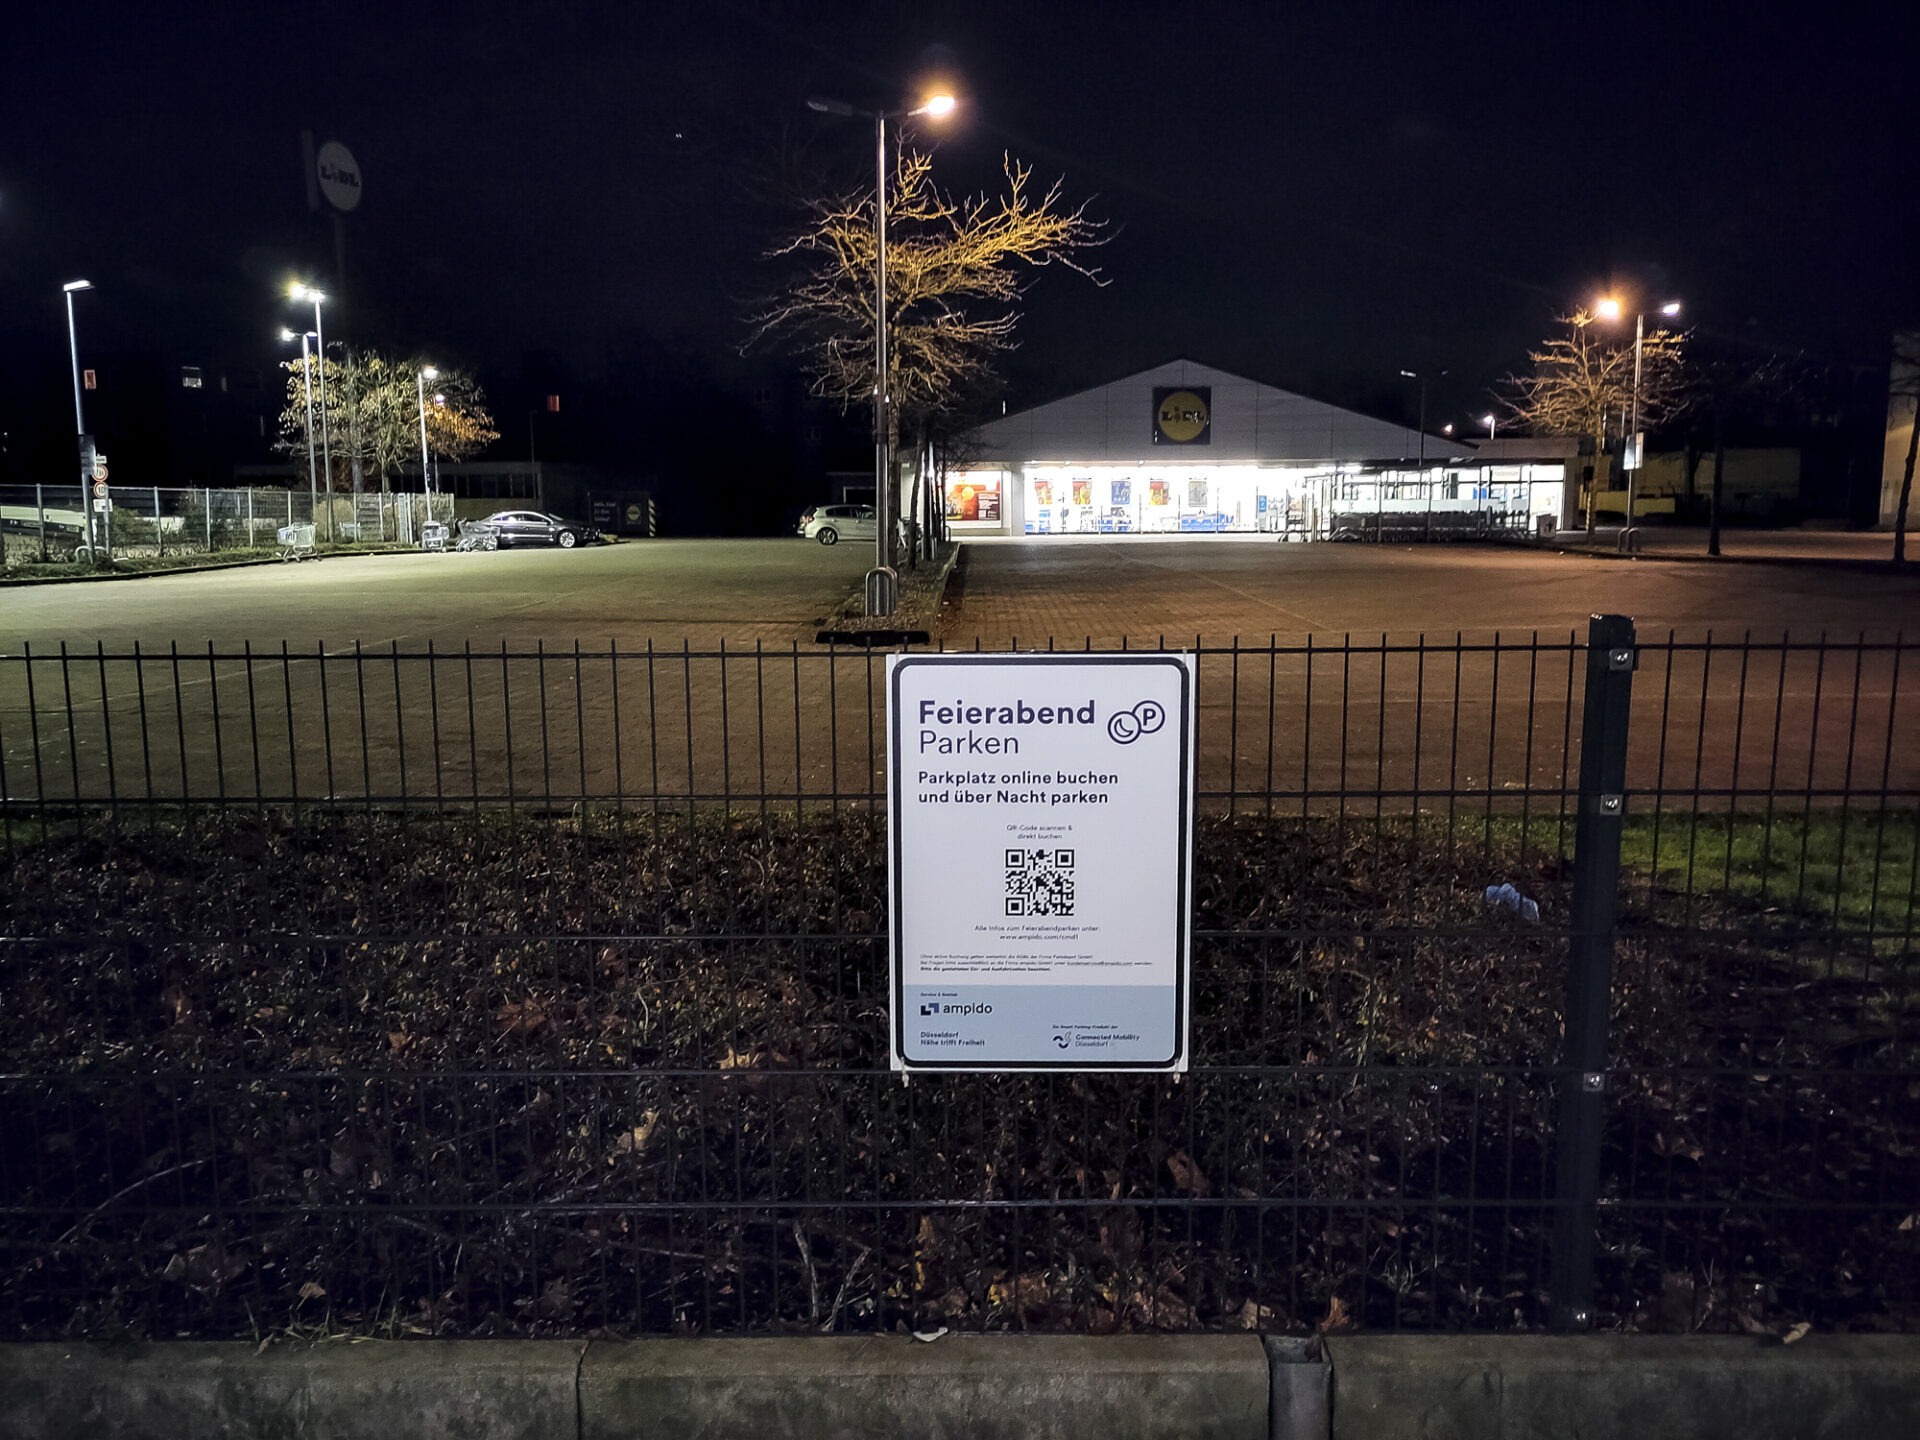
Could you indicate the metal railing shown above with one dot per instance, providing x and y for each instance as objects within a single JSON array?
[
  {"x": 47, "y": 523},
  {"x": 520, "y": 992}
]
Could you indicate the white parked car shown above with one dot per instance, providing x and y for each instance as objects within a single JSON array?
[{"x": 830, "y": 524}]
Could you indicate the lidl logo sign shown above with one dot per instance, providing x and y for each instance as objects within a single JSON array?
[{"x": 1183, "y": 415}]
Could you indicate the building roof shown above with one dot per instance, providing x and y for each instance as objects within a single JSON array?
[
  {"x": 1250, "y": 422},
  {"x": 1515, "y": 448}
]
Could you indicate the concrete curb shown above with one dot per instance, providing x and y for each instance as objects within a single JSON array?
[
  {"x": 1196, "y": 1386},
  {"x": 343, "y": 1390},
  {"x": 1637, "y": 1387},
  {"x": 847, "y": 620},
  {"x": 1347, "y": 1388}
]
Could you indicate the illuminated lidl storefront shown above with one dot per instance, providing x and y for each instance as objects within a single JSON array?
[{"x": 1186, "y": 449}]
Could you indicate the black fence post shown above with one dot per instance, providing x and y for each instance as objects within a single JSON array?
[{"x": 1596, "y": 888}]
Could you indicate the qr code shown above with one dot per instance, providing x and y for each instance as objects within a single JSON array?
[{"x": 1039, "y": 882}]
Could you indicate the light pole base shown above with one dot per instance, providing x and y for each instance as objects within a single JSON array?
[{"x": 882, "y": 591}]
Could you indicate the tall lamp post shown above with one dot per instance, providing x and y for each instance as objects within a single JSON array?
[
  {"x": 297, "y": 291},
  {"x": 882, "y": 584},
  {"x": 426, "y": 373},
  {"x": 79, "y": 416},
  {"x": 306, "y": 374},
  {"x": 1421, "y": 376},
  {"x": 1609, "y": 309}
]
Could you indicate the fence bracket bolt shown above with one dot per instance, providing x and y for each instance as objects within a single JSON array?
[
  {"x": 1623, "y": 657},
  {"x": 1612, "y": 804},
  {"x": 1593, "y": 1081}
]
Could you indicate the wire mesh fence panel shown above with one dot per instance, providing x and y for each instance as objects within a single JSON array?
[
  {"x": 516, "y": 992},
  {"x": 50, "y": 523}
]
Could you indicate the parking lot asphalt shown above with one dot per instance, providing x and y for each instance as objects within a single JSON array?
[
  {"x": 536, "y": 723},
  {"x": 664, "y": 591},
  {"x": 1143, "y": 590}
]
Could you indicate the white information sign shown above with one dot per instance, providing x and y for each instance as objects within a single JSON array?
[{"x": 1041, "y": 812}]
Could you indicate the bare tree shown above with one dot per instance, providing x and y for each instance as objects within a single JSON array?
[
  {"x": 1582, "y": 379},
  {"x": 956, "y": 268},
  {"x": 1728, "y": 388}
]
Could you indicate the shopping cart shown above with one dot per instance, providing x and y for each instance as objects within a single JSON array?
[
  {"x": 296, "y": 542},
  {"x": 433, "y": 536}
]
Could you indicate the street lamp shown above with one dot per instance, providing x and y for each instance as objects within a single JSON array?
[
  {"x": 427, "y": 372},
  {"x": 882, "y": 583},
  {"x": 79, "y": 416},
  {"x": 1492, "y": 422},
  {"x": 306, "y": 374},
  {"x": 1609, "y": 309},
  {"x": 297, "y": 291},
  {"x": 1421, "y": 376}
]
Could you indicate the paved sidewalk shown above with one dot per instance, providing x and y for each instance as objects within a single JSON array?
[{"x": 1846, "y": 547}]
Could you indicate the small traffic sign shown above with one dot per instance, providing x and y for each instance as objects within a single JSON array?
[
  {"x": 99, "y": 488},
  {"x": 102, "y": 503}
]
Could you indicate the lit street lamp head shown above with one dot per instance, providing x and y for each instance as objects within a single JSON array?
[
  {"x": 73, "y": 285},
  {"x": 824, "y": 106},
  {"x": 297, "y": 291},
  {"x": 1607, "y": 309},
  {"x": 429, "y": 373},
  {"x": 1672, "y": 307},
  {"x": 937, "y": 106}
]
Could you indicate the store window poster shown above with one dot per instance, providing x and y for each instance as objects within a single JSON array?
[
  {"x": 973, "y": 500},
  {"x": 1123, "y": 492},
  {"x": 1043, "y": 492},
  {"x": 1196, "y": 494},
  {"x": 963, "y": 502},
  {"x": 1083, "y": 492},
  {"x": 1158, "y": 492}
]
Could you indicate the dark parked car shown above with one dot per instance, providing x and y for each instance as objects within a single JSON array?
[{"x": 533, "y": 527}]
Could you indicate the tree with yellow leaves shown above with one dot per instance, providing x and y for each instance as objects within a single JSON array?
[
  {"x": 1582, "y": 380},
  {"x": 373, "y": 413},
  {"x": 1581, "y": 384},
  {"x": 956, "y": 268}
]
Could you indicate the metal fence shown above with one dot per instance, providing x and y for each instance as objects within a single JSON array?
[
  {"x": 505, "y": 992},
  {"x": 41, "y": 523}
]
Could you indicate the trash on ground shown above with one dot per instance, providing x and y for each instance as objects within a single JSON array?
[{"x": 1505, "y": 897}]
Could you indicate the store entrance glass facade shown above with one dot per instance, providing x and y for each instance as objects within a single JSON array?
[{"x": 1307, "y": 502}]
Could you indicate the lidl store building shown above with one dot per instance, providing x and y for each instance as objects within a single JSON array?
[{"x": 1187, "y": 449}]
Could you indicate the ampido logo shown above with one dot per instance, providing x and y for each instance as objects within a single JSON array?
[
  {"x": 1127, "y": 726},
  {"x": 934, "y": 1007}
]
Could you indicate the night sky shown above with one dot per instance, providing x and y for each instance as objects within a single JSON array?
[{"x": 1314, "y": 195}]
